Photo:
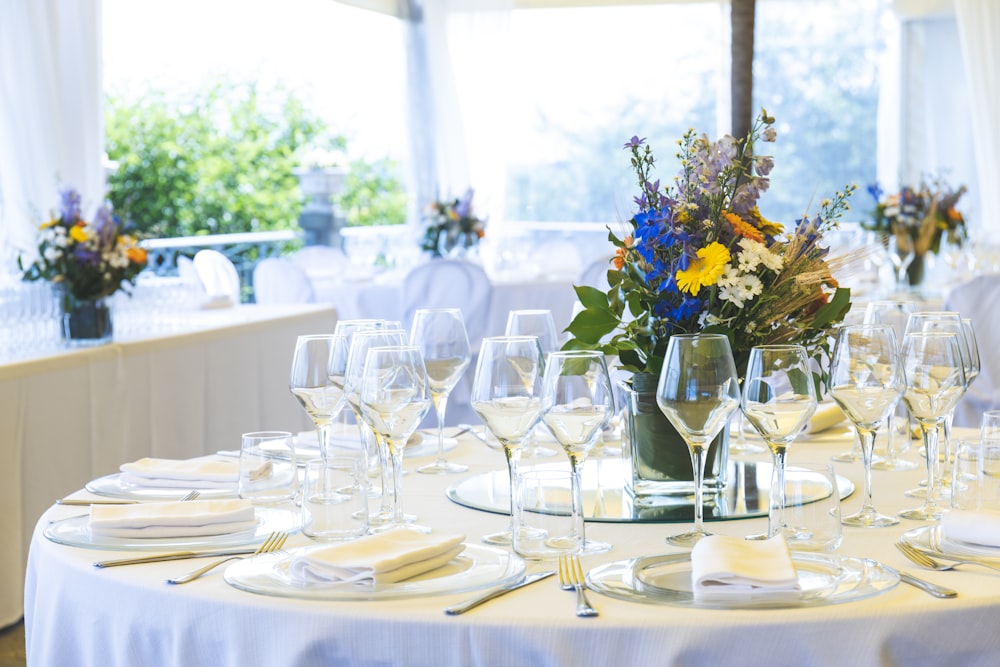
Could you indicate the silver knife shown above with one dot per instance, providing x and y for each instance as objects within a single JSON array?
[
  {"x": 175, "y": 555},
  {"x": 497, "y": 592},
  {"x": 926, "y": 586}
]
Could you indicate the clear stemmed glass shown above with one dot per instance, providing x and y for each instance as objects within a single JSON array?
[
  {"x": 698, "y": 392},
  {"x": 440, "y": 334},
  {"x": 895, "y": 313},
  {"x": 866, "y": 381},
  {"x": 506, "y": 394},
  {"x": 577, "y": 402},
  {"x": 901, "y": 254},
  {"x": 394, "y": 397},
  {"x": 778, "y": 398},
  {"x": 310, "y": 382},
  {"x": 361, "y": 342},
  {"x": 935, "y": 381},
  {"x": 537, "y": 323}
]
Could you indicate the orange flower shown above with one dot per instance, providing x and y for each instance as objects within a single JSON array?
[
  {"x": 741, "y": 228},
  {"x": 620, "y": 253},
  {"x": 136, "y": 255}
]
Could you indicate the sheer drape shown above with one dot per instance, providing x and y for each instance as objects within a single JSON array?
[
  {"x": 458, "y": 94},
  {"x": 979, "y": 30},
  {"x": 51, "y": 111}
]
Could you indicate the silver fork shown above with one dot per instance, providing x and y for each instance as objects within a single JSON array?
[
  {"x": 273, "y": 542},
  {"x": 571, "y": 579},
  {"x": 925, "y": 561}
]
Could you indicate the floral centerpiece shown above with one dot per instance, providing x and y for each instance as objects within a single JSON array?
[
  {"x": 451, "y": 225},
  {"x": 87, "y": 262},
  {"x": 698, "y": 256},
  {"x": 919, "y": 220}
]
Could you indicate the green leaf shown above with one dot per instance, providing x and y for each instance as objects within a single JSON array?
[
  {"x": 835, "y": 310},
  {"x": 591, "y": 297},
  {"x": 592, "y": 324}
]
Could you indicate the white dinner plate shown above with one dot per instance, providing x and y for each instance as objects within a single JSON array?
[
  {"x": 932, "y": 541},
  {"x": 75, "y": 532},
  {"x": 823, "y": 580},
  {"x": 113, "y": 486},
  {"x": 478, "y": 566}
]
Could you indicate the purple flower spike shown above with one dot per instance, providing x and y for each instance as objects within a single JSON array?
[
  {"x": 464, "y": 205},
  {"x": 70, "y": 205},
  {"x": 635, "y": 142}
]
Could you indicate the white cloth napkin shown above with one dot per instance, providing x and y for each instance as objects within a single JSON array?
[
  {"x": 189, "y": 518},
  {"x": 972, "y": 526},
  {"x": 382, "y": 558},
  {"x": 827, "y": 416},
  {"x": 724, "y": 567},
  {"x": 204, "y": 472}
]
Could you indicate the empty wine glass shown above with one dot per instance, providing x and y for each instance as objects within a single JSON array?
[
  {"x": 320, "y": 395},
  {"x": 935, "y": 381},
  {"x": 698, "y": 392},
  {"x": 394, "y": 397},
  {"x": 894, "y": 313},
  {"x": 537, "y": 323},
  {"x": 778, "y": 398},
  {"x": 577, "y": 402},
  {"x": 901, "y": 254},
  {"x": 866, "y": 381},
  {"x": 506, "y": 394},
  {"x": 440, "y": 334}
]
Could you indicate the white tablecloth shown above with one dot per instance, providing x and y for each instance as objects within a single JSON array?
[
  {"x": 77, "y": 614},
  {"x": 78, "y": 415}
]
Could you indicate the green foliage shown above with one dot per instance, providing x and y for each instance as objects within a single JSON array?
[{"x": 373, "y": 194}]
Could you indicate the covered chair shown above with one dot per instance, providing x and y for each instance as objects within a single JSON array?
[
  {"x": 219, "y": 277},
  {"x": 595, "y": 274},
  {"x": 278, "y": 280},
  {"x": 319, "y": 259},
  {"x": 979, "y": 300}
]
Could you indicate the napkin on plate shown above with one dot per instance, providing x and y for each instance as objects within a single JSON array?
[
  {"x": 827, "y": 416},
  {"x": 204, "y": 472},
  {"x": 382, "y": 558},
  {"x": 724, "y": 567},
  {"x": 189, "y": 518},
  {"x": 972, "y": 526}
]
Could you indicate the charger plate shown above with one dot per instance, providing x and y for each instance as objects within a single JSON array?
[
  {"x": 932, "y": 541},
  {"x": 112, "y": 486},
  {"x": 75, "y": 532},
  {"x": 823, "y": 579},
  {"x": 478, "y": 566}
]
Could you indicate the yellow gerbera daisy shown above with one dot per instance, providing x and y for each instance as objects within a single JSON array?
[
  {"x": 705, "y": 270},
  {"x": 78, "y": 233}
]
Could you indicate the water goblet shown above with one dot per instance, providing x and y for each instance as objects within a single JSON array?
[
  {"x": 506, "y": 394},
  {"x": 441, "y": 336},
  {"x": 866, "y": 381},
  {"x": 312, "y": 386},
  {"x": 538, "y": 323},
  {"x": 577, "y": 402},
  {"x": 935, "y": 381},
  {"x": 778, "y": 398},
  {"x": 698, "y": 391},
  {"x": 394, "y": 396}
]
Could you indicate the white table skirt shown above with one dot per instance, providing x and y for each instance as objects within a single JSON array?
[
  {"x": 79, "y": 414},
  {"x": 77, "y": 614}
]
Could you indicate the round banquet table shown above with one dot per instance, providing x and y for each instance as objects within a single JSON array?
[{"x": 76, "y": 614}]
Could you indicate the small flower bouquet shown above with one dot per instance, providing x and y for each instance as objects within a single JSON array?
[
  {"x": 699, "y": 256},
  {"x": 452, "y": 225}
]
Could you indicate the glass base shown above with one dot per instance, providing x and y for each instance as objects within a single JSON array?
[
  {"x": 502, "y": 539},
  {"x": 869, "y": 519},
  {"x": 442, "y": 467},
  {"x": 898, "y": 465},
  {"x": 847, "y": 457},
  {"x": 925, "y": 513},
  {"x": 594, "y": 547},
  {"x": 687, "y": 539},
  {"x": 745, "y": 449}
]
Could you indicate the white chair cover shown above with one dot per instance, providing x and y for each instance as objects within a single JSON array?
[
  {"x": 219, "y": 276},
  {"x": 979, "y": 300},
  {"x": 596, "y": 273},
  {"x": 277, "y": 280},
  {"x": 559, "y": 258},
  {"x": 319, "y": 258}
]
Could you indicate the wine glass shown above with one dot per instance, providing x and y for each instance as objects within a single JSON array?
[
  {"x": 895, "y": 313},
  {"x": 361, "y": 342},
  {"x": 440, "y": 334},
  {"x": 698, "y": 392},
  {"x": 866, "y": 381},
  {"x": 312, "y": 386},
  {"x": 506, "y": 394},
  {"x": 538, "y": 323},
  {"x": 935, "y": 381},
  {"x": 901, "y": 254},
  {"x": 778, "y": 398},
  {"x": 394, "y": 396},
  {"x": 577, "y": 402}
]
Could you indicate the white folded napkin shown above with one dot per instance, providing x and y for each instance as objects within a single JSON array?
[
  {"x": 189, "y": 518},
  {"x": 972, "y": 526},
  {"x": 346, "y": 436},
  {"x": 382, "y": 558},
  {"x": 724, "y": 567},
  {"x": 827, "y": 416},
  {"x": 204, "y": 472}
]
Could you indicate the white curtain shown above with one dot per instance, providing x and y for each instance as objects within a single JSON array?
[
  {"x": 979, "y": 29},
  {"x": 51, "y": 112},
  {"x": 458, "y": 84}
]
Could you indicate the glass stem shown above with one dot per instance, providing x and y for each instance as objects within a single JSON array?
[
  {"x": 945, "y": 450},
  {"x": 512, "y": 450},
  {"x": 930, "y": 435},
  {"x": 397, "y": 483},
  {"x": 776, "y": 515},
  {"x": 890, "y": 442},
  {"x": 698, "y": 456},
  {"x": 867, "y": 437},
  {"x": 323, "y": 436},
  {"x": 440, "y": 406},
  {"x": 577, "y": 501}
]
